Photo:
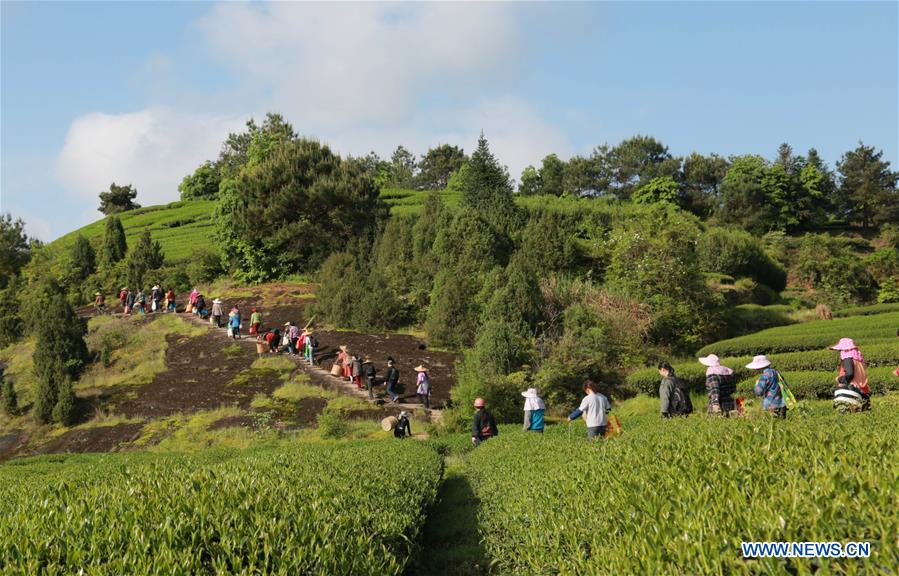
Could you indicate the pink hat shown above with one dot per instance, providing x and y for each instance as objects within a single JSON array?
[
  {"x": 711, "y": 361},
  {"x": 759, "y": 362},
  {"x": 844, "y": 344}
]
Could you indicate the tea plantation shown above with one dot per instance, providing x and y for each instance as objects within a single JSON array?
[
  {"x": 679, "y": 496},
  {"x": 801, "y": 353},
  {"x": 353, "y": 508}
]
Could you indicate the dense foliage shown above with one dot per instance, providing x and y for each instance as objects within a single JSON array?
[
  {"x": 313, "y": 509},
  {"x": 682, "y": 495},
  {"x": 118, "y": 199}
]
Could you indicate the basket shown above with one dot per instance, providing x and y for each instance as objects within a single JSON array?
[
  {"x": 336, "y": 369},
  {"x": 389, "y": 423}
]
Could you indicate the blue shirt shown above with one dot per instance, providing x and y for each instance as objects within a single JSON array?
[{"x": 768, "y": 387}]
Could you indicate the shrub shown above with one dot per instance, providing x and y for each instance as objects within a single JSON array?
[
  {"x": 64, "y": 410},
  {"x": 739, "y": 253},
  {"x": 332, "y": 423},
  {"x": 8, "y": 395}
]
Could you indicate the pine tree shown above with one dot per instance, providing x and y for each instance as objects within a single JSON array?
[
  {"x": 114, "y": 244},
  {"x": 487, "y": 185},
  {"x": 867, "y": 190},
  {"x": 61, "y": 352},
  {"x": 146, "y": 255},
  {"x": 84, "y": 260},
  {"x": 8, "y": 395},
  {"x": 64, "y": 410}
]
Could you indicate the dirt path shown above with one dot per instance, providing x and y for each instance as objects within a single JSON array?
[{"x": 451, "y": 543}]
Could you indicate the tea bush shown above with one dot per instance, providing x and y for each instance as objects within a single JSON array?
[
  {"x": 307, "y": 509},
  {"x": 679, "y": 497}
]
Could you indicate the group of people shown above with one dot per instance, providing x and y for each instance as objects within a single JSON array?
[
  {"x": 139, "y": 302},
  {"x": 361, "y": 371},
  {"x": 851, "y": 392}
]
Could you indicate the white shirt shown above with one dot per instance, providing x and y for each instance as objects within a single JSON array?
[{"x": 594, "y": 407}]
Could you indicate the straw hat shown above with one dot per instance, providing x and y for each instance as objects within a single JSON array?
[
  {"x": 366, "y": 360},
  {"x": 844, "y": 344},
  {"x": 96, "y": 293},
  {"x": 343, "y": 347},
  {"x": 711, "y": 361},
  {"x": 421, "y": 368},
  {"x": 759, "y": 362},
  {"x": 216, "y": 301},
  {"x": 530, "y": 393},
  {"x": 287, "y": 323}
]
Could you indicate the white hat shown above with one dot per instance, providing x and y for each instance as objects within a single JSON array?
[
  {"x": 530, "y": 393},
  {"x": 711, "y": 361},
  {"x": 403, "y": 413},
  {"x": 216, "y": 301},
  {"x": 287, "y": 323},
  {"x": 759, "y": 362}
]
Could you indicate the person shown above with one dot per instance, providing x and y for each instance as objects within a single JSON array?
[
  {"x": 674, "y": 396},
  {"x": 347, "y": 361},
  {"x": 192, "y": 300},
  {"x": 852, "y": 392},
  {"x": 255, "y": 321},
  {"x": 357, "y": 371},
  {"x": 141, "y": 302},
  {"x": 201, "y": 307},
  {"x": 293, "y": 334},
  {"x": 311, "y": 347},
  {"x": 483, "y": 425},
  {"x": 403, "y": 426},
  {"x": 123, "y": 298},
  {"x": 129, "y": 301},
  {"x": 100, "y": 303},
  {"x": 170, "y": 301},
  {"x": 273, "y": 339},
  {"x": 155, "y": 298},
  {"x": 423, "y": 386},
  {"x": 595, "y": 408},
  {"x": 369, "y": 370},
  {"x": 768, "y": 386},
  {"x": 533, "y": 411},
  {"x": 720, "y": 385},
  {"x": 234, "y": 322},
  {"x": 391, "y": 379},
  {"x": 217, "y": 312}
]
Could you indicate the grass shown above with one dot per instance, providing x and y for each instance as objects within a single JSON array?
[
  {"x": 191, "y": 433},
  {"x": 139, "y": 352},
  {"x": 265, "y": 368},
  {"x": 180, "y": 227},
  {"x": 403, "y": 202},
  {"x": 298, "y": 388},
  {"x": 20, "y": 368}
]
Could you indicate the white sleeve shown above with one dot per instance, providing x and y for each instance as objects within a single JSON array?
[{"x": 584, "y": 404}]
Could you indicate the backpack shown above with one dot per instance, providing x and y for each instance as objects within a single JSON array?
[{"x": 680, "y": 401}]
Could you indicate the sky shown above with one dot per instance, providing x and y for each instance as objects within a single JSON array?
[{"x": 142, "y": 93}]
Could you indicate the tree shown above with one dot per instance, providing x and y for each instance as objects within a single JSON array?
[
  {"x": 587, "y": 175},
  {"x": 8, "y": 395},
  {"x": 402, "y": 168},
  {"x": 203, "y": 183},
  {"x": 552, "y": 174},
  {"x": 114, "y": 244},
  {"x": 118, "y": 199},
  {"x": 64, "y": 409},
  {"x": 288, "y": 213},
  {"x": 637, "y": 160},
  {"x": 144, "y": 256},
  {"x": 662, "y": 189},
  {"x": 530, "y": 182},
  {"x": 253, "y": 144},
  {"x": 83, "y": 261},
  {"x": 438, "y": 164},
  {"x": 487, "y": 189},
  {"x": 702, "y": 177},
  {"x": 746, "y": 198},
  {"x": 62, "y": 354},
  {"x": 15, "y": 248},
  {"x": 10, "y": 317},
  {"x": 867, "y": 187}
]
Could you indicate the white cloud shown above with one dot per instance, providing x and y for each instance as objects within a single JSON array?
[{"x": 152, "y": 149}]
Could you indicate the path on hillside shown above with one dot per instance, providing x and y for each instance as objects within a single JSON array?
[
  {"x": 316, "y": 373},
  {"x": 451, "y": 539}
]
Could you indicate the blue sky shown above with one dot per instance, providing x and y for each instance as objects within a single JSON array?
[{"x": 139, "y": 92}]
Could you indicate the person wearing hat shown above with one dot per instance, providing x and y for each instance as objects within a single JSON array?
[
  {"x": 392, "y": 379},
  {"x": 123, "y": 298},
  {"x": 403, "y": 426},
  {"x": 310, "y": 346},
  {"x": 156, "y": 298},
  {"x": 343, "y": 359},
  {"x": 234, "y": 322},
  {"x": 369, "y": 371},
  {"x": 255, "y": 321},
  {"x": 533, "y": 411},
  {"x": 129, "y": 301},
  {"x": 768, "y": 386},
  {"x": 595, "y": 408},
  {"x": 483, "y": 425},
  {"x": 720, "y": 385},
  {"x": 217, "y": 312},
  {"x": 202, "y": 311},
  {"x": 192, "y": 300},
  {"x": 852, "y": 392},
  {"x": 673, "y": 393},
  {"x": 423, "y": 386},
  {"x": 293, "y": 334},
  {"x": 100, "y": 303}
]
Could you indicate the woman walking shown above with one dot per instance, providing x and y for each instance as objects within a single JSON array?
[
  {"x": 534, "y": 408},
  {"x": 255, "y": 321},
  {"x": 423, "y": 386},
  {"x": 234, "y": 322},
  {"x": 720, "y": 385},
  {"x": 217, "y": 312},
  {"x": 852, "y": 393},
  {"x": 768, "y": 386},
  {"x": 594, "y": 407}
]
